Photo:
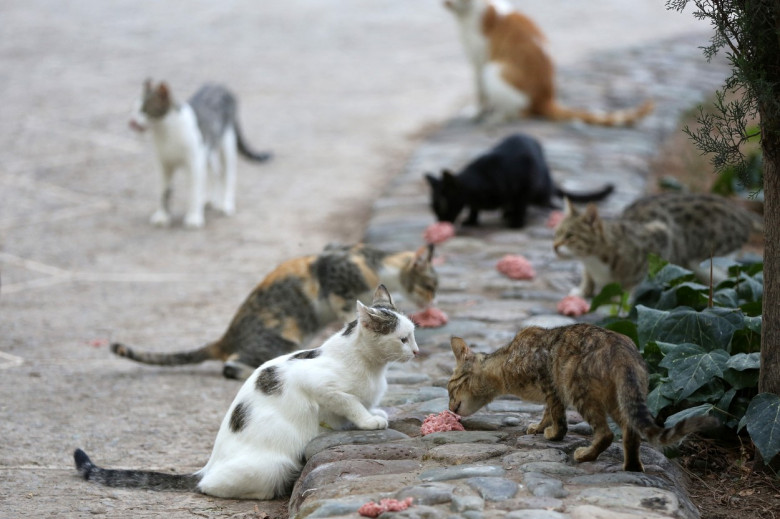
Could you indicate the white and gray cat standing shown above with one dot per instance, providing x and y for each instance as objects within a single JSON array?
[
  {"x": 201, "y": 137},
  {"x": 259, "y": 448}
]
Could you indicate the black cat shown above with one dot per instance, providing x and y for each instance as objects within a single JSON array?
[{"x": 510, "y": 177}]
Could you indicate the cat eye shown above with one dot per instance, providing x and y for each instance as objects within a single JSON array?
[{"x": 404, "y": 340}]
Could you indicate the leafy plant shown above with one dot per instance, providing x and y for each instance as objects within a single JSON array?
[{"x": 702, "y": 347}]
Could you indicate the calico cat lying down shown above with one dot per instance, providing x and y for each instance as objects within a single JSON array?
[
  {"x": 259, "y": 448},
  {"x": 682, "y": 228},
  {"x": 201, "y": 137},
  {"x": 597, "y": 371},
  {"x": 510, "y": 177},
  {"x": 298, "y": 298}
]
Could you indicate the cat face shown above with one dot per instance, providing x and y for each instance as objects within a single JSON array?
[
  {"x": 466, "y": 387},
  {"x": 391, "y": 334},
  {"x": 447, "y": 199},
  {"x": 154, "y": 103},
  {"x": 578, "y": 234},
  {"x": 420, "y": 281}
]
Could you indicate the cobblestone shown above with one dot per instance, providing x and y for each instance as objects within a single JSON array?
[{"x": 494, "y": 469}]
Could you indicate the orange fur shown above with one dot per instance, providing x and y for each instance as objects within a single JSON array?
[{"x": 514, "y": 43}]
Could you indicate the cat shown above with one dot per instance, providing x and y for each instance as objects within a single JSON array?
[
  {"x": 513, "y": 72},
  {"x": 597, "y": 371},
  {"x": 511, "y": 176},
  {"x": 259, "y": 449},
  {"x": 298, "y": 298},
  {"x": 682, "y": 228},
  {"x": 200, "y": 136}
]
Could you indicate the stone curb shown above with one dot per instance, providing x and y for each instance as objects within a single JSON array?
[{"x": 495, "y": 469}]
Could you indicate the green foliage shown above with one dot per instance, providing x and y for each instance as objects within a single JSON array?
[
  {"x": 702, "y": 349},
  {"x": 746, "y": 183}
]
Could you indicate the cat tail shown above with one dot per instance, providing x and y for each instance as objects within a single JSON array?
[
  {"x": 632, "y": 401},
  {"x": 587, "y": 196},
  {"x": 211, "y": 351},
  {"x": 145, "y": 479},
  {"x": 625, "y": 117},
  {"x": 244, "y": 148}
]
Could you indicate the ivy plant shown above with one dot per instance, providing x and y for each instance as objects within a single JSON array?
[{"x": 701, "y": 346}]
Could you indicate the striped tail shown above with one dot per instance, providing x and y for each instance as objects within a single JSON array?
[
  {"x": 145, "y": 479},
  {"x": 625, "y": 117},
  {"x": 211, "y": 351},
  {"x": 246, "y": 150}
]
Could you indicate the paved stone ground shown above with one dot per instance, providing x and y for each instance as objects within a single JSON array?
[
  {"x": 337, "y": 93},
  {"x": 494, "y": 469}
]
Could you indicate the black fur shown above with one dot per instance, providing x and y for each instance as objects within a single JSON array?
[
  {"x": 268, "y": 381},
  {"x": 349, "y": 328},
  {"x": 510, "y": 177},
  {"x": 238, "y": 417},
  {"x": 307, "y": 354}
]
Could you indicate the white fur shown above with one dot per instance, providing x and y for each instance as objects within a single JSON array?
[
  {"x": 341, "y": 387},
  {"x": 211, "y": 172},
  {"x": 495, "y": 95}
]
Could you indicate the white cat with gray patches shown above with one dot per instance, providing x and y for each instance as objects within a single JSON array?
[
  {"x": 201, "y": 137},
  {"x": 259, "y": 448}
]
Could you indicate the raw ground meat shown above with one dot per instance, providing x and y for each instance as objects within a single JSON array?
[
  {"x": 515, "y": 267},
  {"x": 429, "y": 318},
  {"x": 554, "y": 219},
  {"x": 439, "y": 232},
  {"x": 444, "y": 421},
  {"x": 573, "y": 306},
  {"x": 372, "y": 509}
]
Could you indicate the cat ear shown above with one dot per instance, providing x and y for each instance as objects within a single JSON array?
[
  {"x": 568, "y": 207},
  {"x": 382, "y": 297},
  {"x": 460, "y": 349},
  {"x": 163, "y": 90},
  {"x": 433, "y": 181},
  {"x": 423, "y": 256},
  {"x": 591, "y": 216}
]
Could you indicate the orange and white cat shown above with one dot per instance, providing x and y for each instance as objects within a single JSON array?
[{"x": 513, "y": 72}]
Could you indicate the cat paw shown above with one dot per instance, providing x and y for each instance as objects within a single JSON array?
[
  {"x": 194, "y": 221},
  {"x": 160, "y": 219},
  {"x": 584, "y": 454},
  {"x": 379, "y": 412},
  {"x": 553, "y": 434},
  {"x": 534, "y": 428},
  {"x": 375, "y": 422}
]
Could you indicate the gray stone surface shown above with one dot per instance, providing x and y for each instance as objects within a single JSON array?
[{"x": 345, "y": 104}]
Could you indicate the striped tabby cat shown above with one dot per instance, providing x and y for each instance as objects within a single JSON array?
[
  {"x": 298, "y": 298},
  {"x": 597, "y": 371},
  {"x": 682, "y": 228}
]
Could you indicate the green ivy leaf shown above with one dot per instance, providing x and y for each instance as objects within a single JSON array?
[
  {"x": 699, "y": 410},
  {"x": 672, "y": 274},
  {"x": 742, "y": 370},
  {"x": 743, "y": 361},
  {"x": 763, "y": 424},
  {"x": 654, "y": 264},
  {"x": 656, "y": 399},
  {"x": 610, "y": 294},
  {"x": 691, "y": 367},
  {"x": 711, "y": 328}
]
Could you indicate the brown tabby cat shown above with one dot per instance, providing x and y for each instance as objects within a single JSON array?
[
  {"x": 514, "y": 75},
  {"x": 300, "y": 297},
  {"x": 597, "y": 371},
  {"x": 682, "y": 228}
]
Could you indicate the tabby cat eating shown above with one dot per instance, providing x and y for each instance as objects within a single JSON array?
[
  {"x": 300, "y": 297},
  {"x": 510, "y": 177},
  {"x": 597, "y": 371},
  {"x": 201, "y": 137},
  {"x": 259, "y": 448},
  {"x": 682, "y": 228},
  {"x": 514, "y": 76}
]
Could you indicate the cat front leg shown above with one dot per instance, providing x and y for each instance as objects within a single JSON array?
[
  {"x": 587, "y": 286},
  {"x": 227, "y": 176},
  {"x": 162, "y": 216},
  {"x": 473, "y": 217},
  {"x": 553, "y": 421},
  {"x": 350, "y": 407},
  {"x": 194, "y": 218}
]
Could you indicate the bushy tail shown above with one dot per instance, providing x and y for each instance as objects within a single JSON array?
[
  {"x": 660, "y": 436},
  {"x": 587, "y": 196},
  {"x": 211, "y": 351},
  {"x": 625, "y": 117},
  {"x": 246, "y": 150},
  {"x": 146, "y": 479}
]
